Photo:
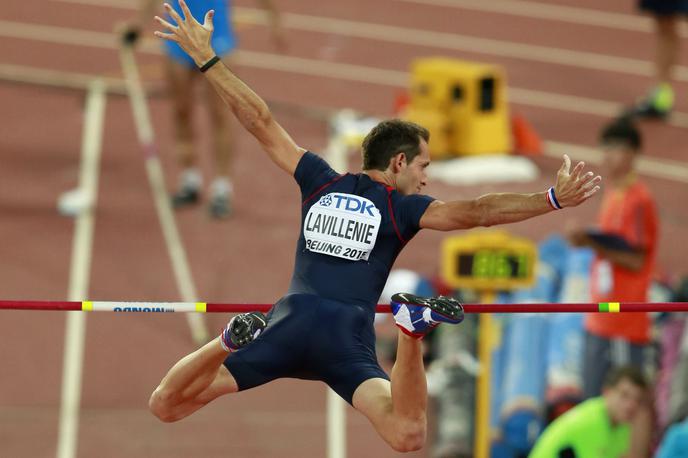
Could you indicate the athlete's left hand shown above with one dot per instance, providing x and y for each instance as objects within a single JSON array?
[
  {"x": 574, "y": 187},
  {"x": 191, "y": 35}
]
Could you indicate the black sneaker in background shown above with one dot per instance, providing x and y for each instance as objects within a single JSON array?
[
  {"x": 185, "y": 197},
  {"x": 645, "y": 109},
  {"x": 657, "y": 104},
  {"x": 220, "y": 206}
]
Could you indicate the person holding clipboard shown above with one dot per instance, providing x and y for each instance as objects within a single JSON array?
[{"x": 625, "y": 244}]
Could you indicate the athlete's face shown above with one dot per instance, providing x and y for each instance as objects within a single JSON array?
[
  {"x": 412, "y": 175},
  {"x": 623, "y": 400}
]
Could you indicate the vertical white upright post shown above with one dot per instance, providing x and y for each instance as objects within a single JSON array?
[
  {"x": 79, "y": 275},
  {"x": 336, "y": 426},
  {"x": 170, "y": 232}
]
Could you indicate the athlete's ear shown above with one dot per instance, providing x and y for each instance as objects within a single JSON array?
[{"x": 398, "y": 162}]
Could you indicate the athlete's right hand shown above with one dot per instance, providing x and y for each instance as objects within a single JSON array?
[
  {"x": 191, "y": 35},
  {"x": 574, "y": 187}
]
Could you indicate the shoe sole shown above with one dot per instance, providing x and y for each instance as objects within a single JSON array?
[
  {"x": 448, "y": 308},
  {"x": 244, "y": 335}
]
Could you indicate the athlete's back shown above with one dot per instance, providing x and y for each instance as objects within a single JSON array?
[{"x": 352, "y": 230}]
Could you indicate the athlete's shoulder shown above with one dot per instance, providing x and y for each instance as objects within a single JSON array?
[
  {"x": 415, "y": 203},
  {"x": 310, "y": 164},
  {"x": 313, "y": 174},
  {"x": 406, "y": 212}
]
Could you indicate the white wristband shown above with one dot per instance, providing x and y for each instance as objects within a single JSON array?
[{"x": 552, "y": 199}]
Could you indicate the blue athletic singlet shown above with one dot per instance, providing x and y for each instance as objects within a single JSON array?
[
  {"x": 352, "y": 229},
  {"x": 223, "y": 40}
]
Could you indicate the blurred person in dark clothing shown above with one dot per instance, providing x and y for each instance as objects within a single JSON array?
[
  {"x": 625, "y": 245},
  {"x": 666, "y": 15}
]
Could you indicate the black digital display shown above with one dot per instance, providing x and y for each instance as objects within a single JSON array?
[{"x": 493, "y": 264}]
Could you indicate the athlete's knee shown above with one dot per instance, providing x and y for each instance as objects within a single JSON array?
[
  {"x": 410, "y": 436},
  {"x": 161, "y": 404}
]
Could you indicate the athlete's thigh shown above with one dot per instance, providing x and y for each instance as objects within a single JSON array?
[
  {"x": 175, "y": 409},
  {"x": 224, "y": 383},
  {"x": 343, "y": 348},
  {"x": 278, "y": 352},
  {"x": 373, "y": 398}
]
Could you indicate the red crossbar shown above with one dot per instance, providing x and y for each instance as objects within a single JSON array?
[{"x": 381, "y": 308}]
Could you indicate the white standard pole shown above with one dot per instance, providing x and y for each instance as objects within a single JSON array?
[
  {"x": 175, "y": 249},
  {"x": 79, "y": 275},
  {"x": 336, "y": 426}
]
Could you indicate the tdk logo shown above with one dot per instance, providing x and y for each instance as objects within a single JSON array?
[
  {"x": 349, "y": 203},
  {"x": 326, "y": 201}
]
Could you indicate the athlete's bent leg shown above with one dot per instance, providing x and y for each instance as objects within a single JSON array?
[
  {"x": 193, "y": 382},
  {"x": 397, "y": 409},
  {"x": 200, "y": 377}
]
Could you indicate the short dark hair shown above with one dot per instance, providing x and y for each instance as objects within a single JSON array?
[
  {"x": 390, "y": 138},
  {"x": 630, "y": 373},
  {"x": 622, "y": 132}
]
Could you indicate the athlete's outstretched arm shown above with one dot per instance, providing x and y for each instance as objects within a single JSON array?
[
  {"x": 572, "y": 188},
  {"x": 251, "y": 111}
]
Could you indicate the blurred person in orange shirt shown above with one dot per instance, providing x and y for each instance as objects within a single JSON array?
[{"x": 625, "y": 244}]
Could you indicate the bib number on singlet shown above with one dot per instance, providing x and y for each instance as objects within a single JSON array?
[{"x": 342, "y": 225}]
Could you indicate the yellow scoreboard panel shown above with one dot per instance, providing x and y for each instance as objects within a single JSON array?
[{"x": 488, "y": 261}]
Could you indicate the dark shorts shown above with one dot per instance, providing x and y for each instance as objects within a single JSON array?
[
  {"x": 311, "y": 338},
  {"x": 602, "y": 354},
  {"x": 665, "y": 7}
]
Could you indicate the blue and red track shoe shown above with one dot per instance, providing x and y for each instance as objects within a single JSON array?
[
  {"x": 242, "y": 330},
  {"x": 416, "y": 315}
]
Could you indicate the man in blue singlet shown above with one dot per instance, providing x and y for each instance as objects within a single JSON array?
[
  {"x": 353, "y": 228},
  {"x": 180, "y": 74}
]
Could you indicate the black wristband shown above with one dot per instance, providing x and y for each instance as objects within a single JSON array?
[{"x": 209, "y": 64}]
